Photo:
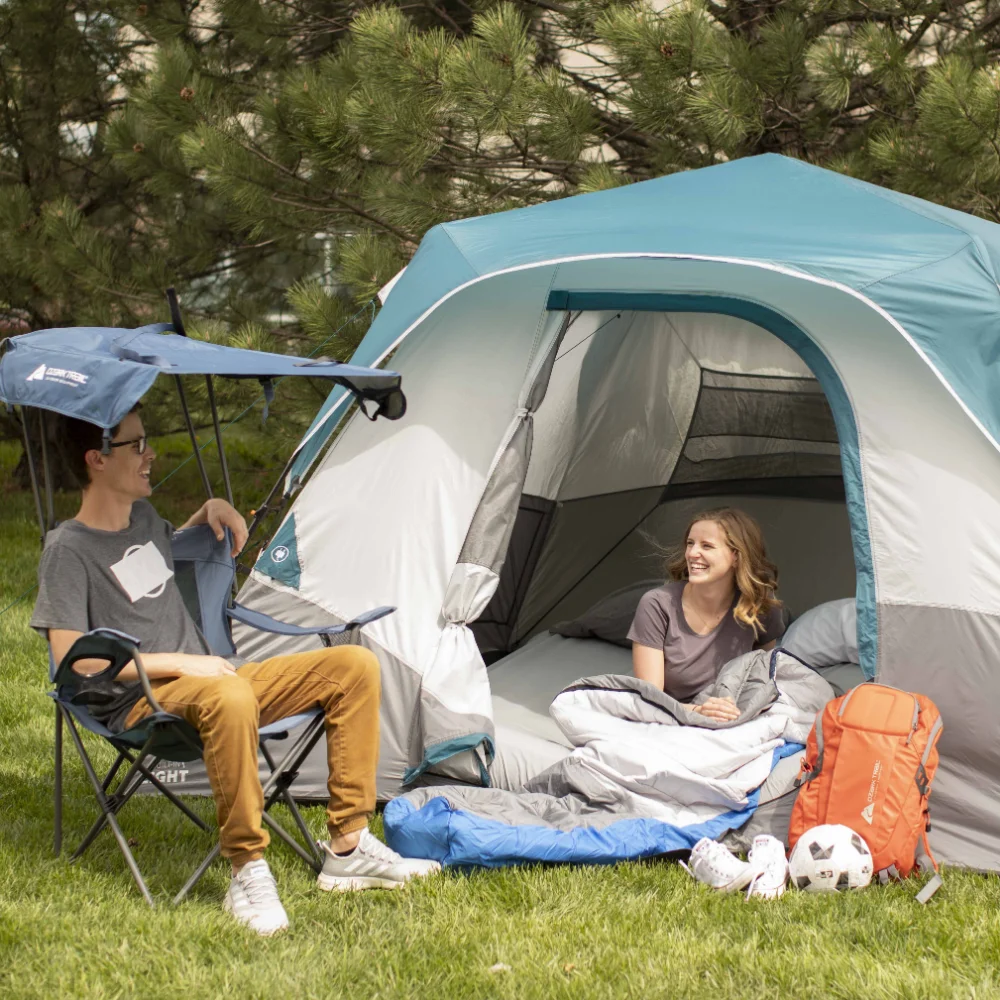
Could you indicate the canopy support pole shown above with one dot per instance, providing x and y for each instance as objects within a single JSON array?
[
  {"x": 50, "y": 521},
  {"x": 218, "y": 440},
  {"x": 178, "y": 324},
  {"x": 205, "y": 481},
  {"x": 32, "y": 473}
]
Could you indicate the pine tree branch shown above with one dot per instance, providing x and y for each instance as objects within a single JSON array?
[{"x": 914, "y": 40}]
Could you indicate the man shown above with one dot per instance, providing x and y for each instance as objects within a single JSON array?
[{"x": 110, "y": 566}]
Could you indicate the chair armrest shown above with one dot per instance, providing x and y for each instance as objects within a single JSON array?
[
  {"x": 259, "y": 620},
  {"x": 118, "y": 648}
]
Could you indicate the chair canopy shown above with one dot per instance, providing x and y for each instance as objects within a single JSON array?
[{"x": 98, "y": 374}]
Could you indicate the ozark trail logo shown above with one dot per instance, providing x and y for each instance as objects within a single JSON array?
[
  {"x": 64, "y": 376},
  {"x": 279, "y": 553},
  {"x": 868, "y": 812}
]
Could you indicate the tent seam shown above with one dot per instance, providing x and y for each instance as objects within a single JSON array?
[
  {"x": 917, "y": 267},
  {"x": 940, "y": 607}
]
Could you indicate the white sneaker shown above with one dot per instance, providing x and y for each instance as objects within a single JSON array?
[
  {"x": 718, "y": 867},
  {"x": 371, "y": 865},
  {"x": 253, "y": 900},
  {"x": 770, "y": 868}
]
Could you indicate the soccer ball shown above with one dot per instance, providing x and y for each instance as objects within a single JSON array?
[{"x": 830, "y": 858}]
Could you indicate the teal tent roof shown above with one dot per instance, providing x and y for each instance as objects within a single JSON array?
[{"x": 932, "y": 270}]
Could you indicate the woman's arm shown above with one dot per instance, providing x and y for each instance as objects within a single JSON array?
[{"x": 647, "y": 664}]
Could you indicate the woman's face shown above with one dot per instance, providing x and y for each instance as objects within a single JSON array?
[{"x": 709, "y": 557}]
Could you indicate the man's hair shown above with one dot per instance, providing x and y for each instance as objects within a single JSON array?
[{"x": 77, "y": 437}]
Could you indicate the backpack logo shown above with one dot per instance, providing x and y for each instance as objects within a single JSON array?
[
  {"x": 279, "y": 553},
  {"x": 868, "y": 812},
  {"x": 37, "y": 375}
]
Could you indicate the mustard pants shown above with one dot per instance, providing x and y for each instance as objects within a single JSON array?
[{"x": 344, "y": 681}]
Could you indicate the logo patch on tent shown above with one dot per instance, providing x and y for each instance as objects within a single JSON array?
[
  {"x": 64, "y": 376},
  {"x": 868, "y": 812},
  {"x": 279, "y": 553}
]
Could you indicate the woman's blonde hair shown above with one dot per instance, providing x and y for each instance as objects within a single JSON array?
[{"x": 756, "y": 576}]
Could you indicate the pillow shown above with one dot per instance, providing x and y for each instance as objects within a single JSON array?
[
  {"x": 610, "y": 618},
  {"x": 825, "y": 635}
]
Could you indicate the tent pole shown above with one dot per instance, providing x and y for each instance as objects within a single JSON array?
[
  {"x": 32, "y": 473},
  {"x": 218, "y": 440},
  {"x": 194, "y": 438},
  {"x": 50, "y": 521}
]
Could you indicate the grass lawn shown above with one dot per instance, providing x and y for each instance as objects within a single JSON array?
[{"x": 643, "y": 930}]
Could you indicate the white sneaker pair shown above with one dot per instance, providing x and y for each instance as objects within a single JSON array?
[
  {"x": 253, "y": 896},
  {"x": 763, "y": 874}
]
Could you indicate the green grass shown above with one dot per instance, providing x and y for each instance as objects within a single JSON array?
[{"x": 642, "y": 930}]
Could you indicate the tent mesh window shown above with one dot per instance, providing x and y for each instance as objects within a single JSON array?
[{"x": 751, "y": 435}]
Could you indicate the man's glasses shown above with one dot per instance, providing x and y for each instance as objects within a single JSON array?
[{"x": 138, "y": 444}]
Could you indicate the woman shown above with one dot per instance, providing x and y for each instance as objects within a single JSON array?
[{"x": 718, "y": 604}]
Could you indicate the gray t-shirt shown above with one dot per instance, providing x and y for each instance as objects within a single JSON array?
[
  {"x": 123, "y": 580},
  {"x": 690, "y": 661}
]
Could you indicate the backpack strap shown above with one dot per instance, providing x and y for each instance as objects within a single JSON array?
[
  {"x": 923, "y": 784},
  {"x": 892, "y": 872},
  {"x": 928, "y": 890},
  {"x": 809, "y": 775}
]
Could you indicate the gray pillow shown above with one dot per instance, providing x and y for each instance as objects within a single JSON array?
[
  {"x": 825, "y": 635},
  {"x": 610, "y": 618}
]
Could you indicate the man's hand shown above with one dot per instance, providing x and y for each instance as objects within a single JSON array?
[
  {"x": 723, "y": 709},
  {"x": 219, "y": 515},
  {"x": 192, "y": 665}
]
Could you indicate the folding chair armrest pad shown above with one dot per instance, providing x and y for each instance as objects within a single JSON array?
[
  {"x": 118, "y": 648},
  {"x": 259, "y": 620}
]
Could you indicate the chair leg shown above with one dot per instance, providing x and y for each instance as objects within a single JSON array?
[
  {"x": 108, "y": 813},
  {"x": 153, "y": 780},
  {"x": 307, "y": 835},
  {"x": 308, "y": 858},
  {"x": 277, "y": 785},
  {"x": 115, "y": 767},
  {"x": 57, "y": 783},
  {"x": 127, "y": 787},
  {"x": 198, "y": 872}
]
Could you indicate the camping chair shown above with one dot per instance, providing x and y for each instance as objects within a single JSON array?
[{"x": 205, "y": 572}]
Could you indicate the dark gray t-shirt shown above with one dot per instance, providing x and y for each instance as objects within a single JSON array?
[
  {"x": 690, "y": 661},
  {"x": 123, "y": 580}
]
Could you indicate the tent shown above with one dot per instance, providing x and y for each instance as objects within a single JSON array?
[{"x": 585, "y": 373}]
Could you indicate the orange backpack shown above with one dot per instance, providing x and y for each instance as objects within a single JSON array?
[{"x": 869, "y": 764}]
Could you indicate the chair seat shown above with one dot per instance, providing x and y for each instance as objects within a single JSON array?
[{"x": 283, "y": 726}]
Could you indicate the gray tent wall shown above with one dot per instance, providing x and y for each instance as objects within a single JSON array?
[{"x": 911, "y": 458}]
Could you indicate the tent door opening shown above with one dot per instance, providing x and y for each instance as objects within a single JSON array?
[{"x": 651, "y": 416}]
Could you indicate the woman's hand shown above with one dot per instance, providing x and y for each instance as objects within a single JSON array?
[{"x": 723, "y": 709}]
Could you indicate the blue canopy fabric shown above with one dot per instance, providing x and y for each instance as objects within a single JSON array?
[
  {"x": 932, "y": 269},
  {"x": 98, "y": 374}
]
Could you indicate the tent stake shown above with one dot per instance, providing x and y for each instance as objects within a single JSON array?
[{"x": 32, "y": 473}]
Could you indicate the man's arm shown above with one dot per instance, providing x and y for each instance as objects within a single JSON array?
[
  {"x": 158, "y": 666},
  {"x": 219, "y": 515}
]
